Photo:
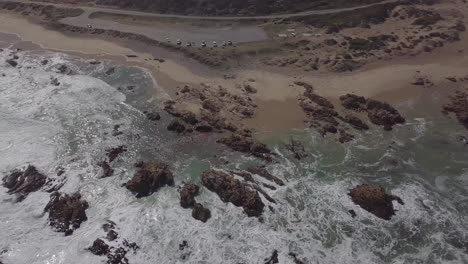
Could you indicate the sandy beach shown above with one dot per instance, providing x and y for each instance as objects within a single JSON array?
[{"x": 276, "y": 92}]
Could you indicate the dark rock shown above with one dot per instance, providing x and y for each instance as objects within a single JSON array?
[
  {"x": 55, "y": 82},
  {"x": 297, "y": 149},
  {"x": 273, "y": 259},
  {"x": 24, "y": 182},
  {"x": 261, "y": 171},
  {"x": 187, "y": 195},
  {"x": 204, "y": 128},
  {"x": 107, "y": 171},
  {"x": 229, "y": 189},
  {"x": 183, "y": 245},
  {"x": 118, "y": 256},
  {"x": 112, "y": 235},
  {"x": 246, "y": 144},
  {"x": 110, "y": 71},
  {"x": 212, "y": 105},
  {"x": 356, "y": 122},
  {"x": 188, "y": 117},
  {"x": 379, "y": 113},
  {"x": 12, "y": 62},
  {"x": 373, "y": 199},
  {"x": 176, "y": 126},
  {"x": 295, "y": 258},
  {"x": 352, "y": 213},
  {"x": 99, "y": 248},
  {"x": 353, "y": 102},
  {"x": 345, "y": 137},
  {"x": 66, "y": 212},
  {"x": 452, "y": 79},
  {"x": 149, "y": 177},
  {"x": 250, "y": 89},
  {"x": 113, "y": 153},
  {"x": 383, "y": 114},
  {"x": 201, "y": 213},
  {"x": 44, "y": 62},
  {"x": 458, "y": 105},
  {"x": 153, "y": 116},
  {"x": 330, "y": 42}
]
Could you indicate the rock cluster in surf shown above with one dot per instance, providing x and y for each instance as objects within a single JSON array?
[
  {"x": 66, "y": 212},
  {"x": 187, "y": 200},
  {"x": 115, "y": 254}
]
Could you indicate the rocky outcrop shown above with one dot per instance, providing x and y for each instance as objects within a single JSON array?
[
  {"x": 379, "y": 113},
  {"x": 245, "y": 143},
  {"x": 458, "y": 105},
  {"x": 23, "y": 182},
  {"x": 66, "y": 212},
  {"x": 149, "y": 177},
  {"x": 187, "y": 195},
  {"x": 230, "y": 189},
  {"x": 373, "y": 199}
]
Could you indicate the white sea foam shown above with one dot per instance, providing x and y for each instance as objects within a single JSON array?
[{"x": 69, "y": 125}]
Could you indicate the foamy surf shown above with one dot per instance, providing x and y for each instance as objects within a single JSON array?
[{"x": 70, "y": 125}]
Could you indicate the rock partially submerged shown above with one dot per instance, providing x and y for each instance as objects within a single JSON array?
[
  {"x": 201, "y": 213},
  {"x": 187, "y": 195},
  {"x": 66, "y": 212},
  {"x": 229, "y": 189},
  {"x": 23, "y": 182},
  {"x": 149, "y": 177},
  {"x": 117, "y": 253},
  {"x": 113, "y": 153},
  {"x": 458, "y": 105},
  {"x": 99, "y": 248},
  {"x": 297, "y": 148},
  {"x": 245, "y": 143},
  {"x": 187, "y": 200},
  {"x": 372, "y": 198},
  {"x": 379, "y": 113},
  {"x": 261, "y": 171}
]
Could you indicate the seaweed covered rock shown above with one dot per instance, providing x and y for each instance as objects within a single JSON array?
[
  {"x": 149, "y": 177},
  {"x": 187, "y": 195},
  {"x": 373, "y": 199},
  {"x": 23, "y": 182},
  {"x": 66, "y": 212},
  {"x": 230, "y": 189}
]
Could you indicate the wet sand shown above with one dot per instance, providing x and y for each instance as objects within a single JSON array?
[{"x": 276, "y": 96}]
